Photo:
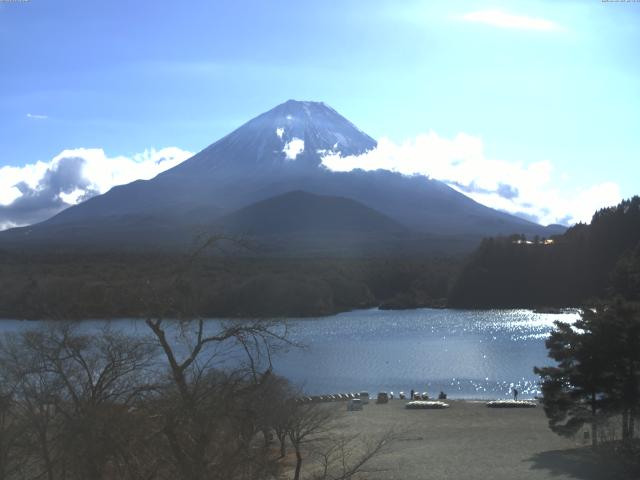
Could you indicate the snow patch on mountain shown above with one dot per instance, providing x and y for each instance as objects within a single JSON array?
[
  {"x": 280, "y": 132},
  {"x": 293, "y": 148}
]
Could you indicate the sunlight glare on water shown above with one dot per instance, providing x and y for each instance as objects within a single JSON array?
[{"x": 465, "y": 353}]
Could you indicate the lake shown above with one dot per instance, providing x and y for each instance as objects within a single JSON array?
[{"x": 465, "y": 353}]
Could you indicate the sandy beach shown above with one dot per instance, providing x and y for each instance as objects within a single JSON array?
[{"x": 470, "y": 441}]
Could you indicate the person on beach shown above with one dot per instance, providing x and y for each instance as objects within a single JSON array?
[
  {"x": 412, "y": 394},
  {"x": 515, "y": 394}
]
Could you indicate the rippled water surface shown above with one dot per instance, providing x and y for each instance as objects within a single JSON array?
[{"x": 465, "y": 353}]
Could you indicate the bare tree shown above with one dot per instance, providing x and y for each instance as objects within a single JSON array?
[
  {"x": 306, "y": 424},
  {"x": 11, "y": 432},
  {"x": 344, "y": 457},
  {"x": 314, "y": 429},
  {"x": 196, "y": 399},
  {"x": 216, "y": 370},
  {"x": 282, "y": 407},
  {"x": 74, "y": 396}
]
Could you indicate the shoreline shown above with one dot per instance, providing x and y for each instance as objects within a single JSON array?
[
  {"x": 379, "y": 308},
  {"x": 372, "y": 399}
]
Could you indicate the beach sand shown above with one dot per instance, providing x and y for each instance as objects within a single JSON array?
[{"x": 470, "y": 441}]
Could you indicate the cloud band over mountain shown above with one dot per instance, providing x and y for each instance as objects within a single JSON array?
[
  {"x": 530, "y": 191},
  {"x": 35, "y": 192}
]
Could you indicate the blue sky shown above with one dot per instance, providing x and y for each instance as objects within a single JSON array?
[{"x": 545, "y": 93}]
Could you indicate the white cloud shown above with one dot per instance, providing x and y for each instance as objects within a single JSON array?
[
  {"x": 293, "y": 148},
  {"x": 105, "y": 172},
  {"x": 36, "y": 116},
  {"x": 34, "y": 192},
  {"x": 524, "y": 189},
  {"x": 500, "y": 19},
  {"x": 73, "y": 197}
]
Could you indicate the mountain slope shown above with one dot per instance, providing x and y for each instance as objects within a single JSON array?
[
  {"x": 304, "y": 213},
  {"x": 277, "y": 152},
  {"x": 301, "y": 223},
  {"x": 422, "y": 204},
  {"x": 232, "y": 172}
]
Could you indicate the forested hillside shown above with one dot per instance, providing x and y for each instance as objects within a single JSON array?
[
  {"x": 112, "y": 285},
  {"x": 588, "y": 261},
  {"x": 594, "y": 260}
]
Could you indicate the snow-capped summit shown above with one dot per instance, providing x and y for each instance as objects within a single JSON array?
[
  {"x": 318, "y": 125},
  {"x": 297, "y": 131}
]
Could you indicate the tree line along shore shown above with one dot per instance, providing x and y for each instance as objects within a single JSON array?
[{"x": 588, "y": 261}]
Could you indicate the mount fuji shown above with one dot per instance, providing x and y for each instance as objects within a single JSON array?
[{"x": 266, "y": 180}]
